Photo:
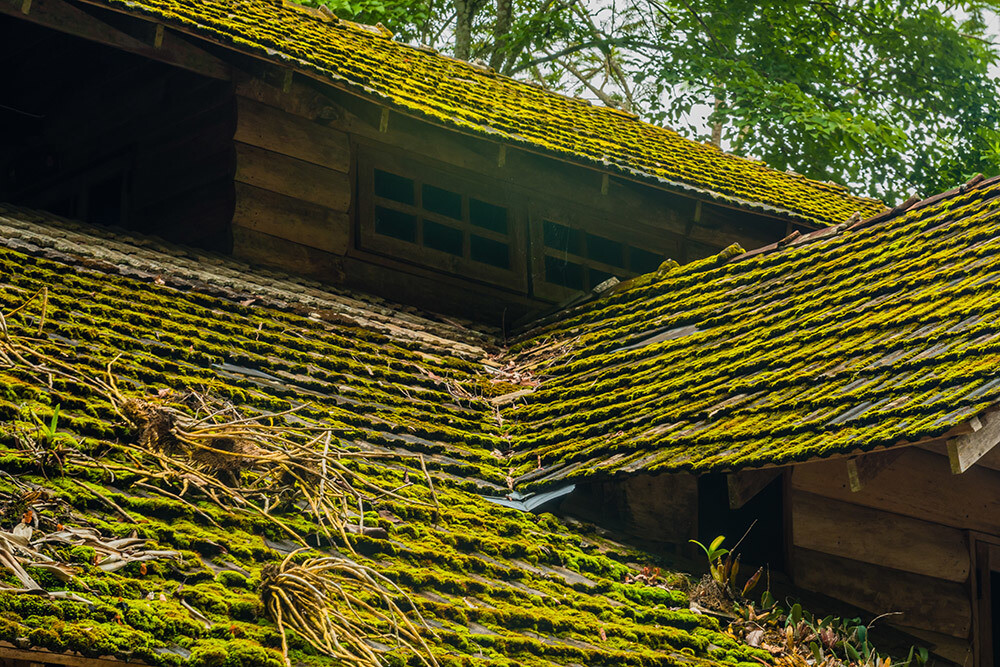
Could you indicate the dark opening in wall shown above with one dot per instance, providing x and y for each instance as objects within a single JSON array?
[
  {"x": 765, "y": 543},
  {"x": 97, "y": 134}
]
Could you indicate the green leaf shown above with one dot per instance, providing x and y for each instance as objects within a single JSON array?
[{"x": 795, "y": 615}]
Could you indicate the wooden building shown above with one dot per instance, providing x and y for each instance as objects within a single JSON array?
[
  {"x": 328, "y": 148},
  {"x": 834, "y": 384}
]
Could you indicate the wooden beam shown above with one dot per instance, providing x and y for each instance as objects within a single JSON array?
[
  {"x": 965, "y": 450},
  {"x": 746, "y": 484},
  {"x": 64, "y": 17},
  {"x": 8, "y": 652},
  {"x": 864, "y": 468}
]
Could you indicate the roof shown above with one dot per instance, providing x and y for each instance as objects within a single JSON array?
[
  {"x": 397, "y": 390},
  {"x": 474, "y": 99},
  {"x": 845, "y": 340}
]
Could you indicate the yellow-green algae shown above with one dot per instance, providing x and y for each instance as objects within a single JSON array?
[
  {"x": 852, "y": 340},
  {"x": 499, "y": 587},
  {"x": 470, "y": 98}
]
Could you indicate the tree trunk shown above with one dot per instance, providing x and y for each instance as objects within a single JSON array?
[
  {"x": 501, "y": 28},
  {"x": 463, "y": 28},
  {"x": 717, "y": 125}
]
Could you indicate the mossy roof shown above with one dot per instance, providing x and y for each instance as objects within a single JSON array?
[
  {"x": 844, "y": 340},
  {"x": 473, "y": 99},
  {"x": 500, "y": 587}
]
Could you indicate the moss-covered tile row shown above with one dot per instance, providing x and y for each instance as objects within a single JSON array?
[
  {"x": 460, "y": 95},
  {"x": 872, "y": 336}
]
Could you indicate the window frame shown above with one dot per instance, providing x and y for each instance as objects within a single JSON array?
[
  {"x": 421, "y": 173},
  {"x": 574, "y": 218}
]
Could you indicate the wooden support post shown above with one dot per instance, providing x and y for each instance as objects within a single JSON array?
[
  {"x": 746, "y": 484},
  {"x": 158, "y": 37},
  {"x": 605, "y": 184},
  {"x": 864, "y": 468},
  {"x": 965, "y": 450},
  {"x": 502, "y": 155},
  {"x": 286, "y": 85},
  {"x": 383, "y": 123},
  {"x": 70, "y": 19}
]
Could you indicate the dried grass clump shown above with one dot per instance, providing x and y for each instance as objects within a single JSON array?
[
  {"x": 326, "y": 601},
  {"x": 242, "y": 463}
]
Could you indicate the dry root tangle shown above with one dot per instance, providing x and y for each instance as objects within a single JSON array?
[{"x": 339, "y": 607}]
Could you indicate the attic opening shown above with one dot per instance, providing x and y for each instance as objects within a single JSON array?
[{"x": 98, "y": 134}]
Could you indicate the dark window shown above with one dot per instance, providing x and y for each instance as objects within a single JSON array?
[
  {"x": 441, "y": 201},
  {"x": 442, "y": 237},
  {"x": 490, "y": 252},
  {"x": 563, "y": 273},
  {"x": 596, "y": 277},
  {"x": 643, "y": 261},
  {"x": 605, "y": 251},
  {"x": 488, "y": 216},
  {"x": 391, "y": 186},
  {"x": 395, "y": 224},
  {"x": 449, "y": 229},
  {"x": 563, "y": 238}
]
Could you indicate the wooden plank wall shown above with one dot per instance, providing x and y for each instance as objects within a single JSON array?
[
  {"x": 297, "y": 145},
  {"x": 900, "y": 544}
]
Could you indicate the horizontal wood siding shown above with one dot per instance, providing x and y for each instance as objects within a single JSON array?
[
  {"x": 266, "y": 127},
  {"x": 880, "y": 538},
  {"x": 918, "y": 484},
  {"x": 926, "y": 603},
  {"x": 900, "y": 544},
  {"x": 290, "y": 219}
]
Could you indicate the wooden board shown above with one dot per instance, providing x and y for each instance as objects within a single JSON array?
[
  {"x": 955, "y": 649},
  {"x": 291, "y": 219},
  {"x": 294, "y": 178},
  {"x": 918, "y": 484},
  {"x": 266, "y": 127},
  {"x": 879, "y": 537},
  {"x": 265, "y": 250},
  {"x": 925, "y": 603},
  {"x": 662, "y": 508}
]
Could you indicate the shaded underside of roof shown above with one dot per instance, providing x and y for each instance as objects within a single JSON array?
[
  {"x": 498, "y": 586},
  {"x": 471, "y": 98},
  {"x": 845, "y": 340}
]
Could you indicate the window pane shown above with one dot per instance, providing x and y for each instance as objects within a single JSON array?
[
  {"x": 395, "y": 224},
  {"x": 596, "y": 277},
  {"x": 488, "y": 216},
  {"x": 441, "y": 201},
  {"x": 443, "y": 238},
  {"x": 643, "y": 261},
  {"x": 489, "y": 251},
  {"x": 561, "y": 272},
  {"x": 393, "y": 187},
  {"x": 561, "y": 237},
  {"x": 605, "y": 250}
]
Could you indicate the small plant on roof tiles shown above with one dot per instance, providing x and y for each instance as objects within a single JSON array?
[
  {"x": 796, "y": 638},
  {"x": 724, "y": 567}
]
